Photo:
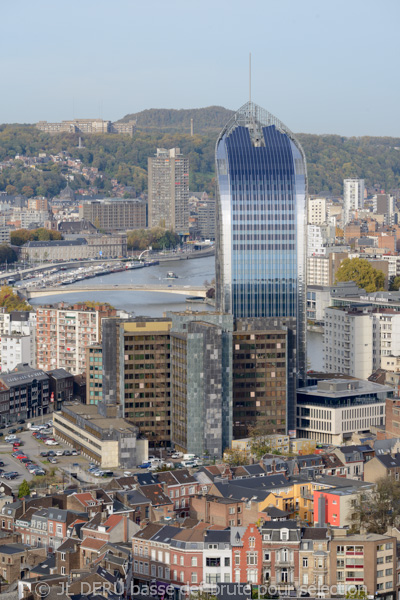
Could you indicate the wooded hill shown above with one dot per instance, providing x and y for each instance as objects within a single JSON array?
[{"x": 330, "y": 158}]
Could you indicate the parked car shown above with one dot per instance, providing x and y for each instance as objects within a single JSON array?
[
  {"x": 75, "y": 452},
  {"x": 39, "y": 471},
  {"x": 2, "y": 463},
  {"x": 12, "y": 431},
  {"x": 17, "y": 443},
  {"x": 127, "y": 474},
  {"x": 59, "y": 452},
  {"x": 145, "y": 465},
  {"x": 53, "y": 461},
  {"x": 51, "y": 453},
  {"x": 67, "y": 453},
  {"x": 51, "y": 443},
  {"x": 26, "y": 460},
  {"x": 176, "y": 455},
  {"x": 21, "y": 421},
  {"x": 11, "y": 475},
  {"x": 44, "y": 454},
  {"x": 2, "y": 426}
]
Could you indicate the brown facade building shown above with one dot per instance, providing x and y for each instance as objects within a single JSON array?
[{"x": 115, "y": 214}]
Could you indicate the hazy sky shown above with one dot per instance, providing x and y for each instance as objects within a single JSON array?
[{"x": 326, "y": 66}]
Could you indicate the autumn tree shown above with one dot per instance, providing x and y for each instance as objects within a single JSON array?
[
  {"x": 362, "y": 273},
  {"x": 235, "y": 457},
  {"x": 11, "y": 190},
  {"x": 11, "y": 301},
  {"x": 24, "y": 489},
  {"x": 395, "y": 284},
  {"x": 376, "y": 510}
]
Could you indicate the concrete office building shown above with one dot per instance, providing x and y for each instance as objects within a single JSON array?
[
  {"x": 29, "y": 393},
  {"x": 206, "y": 220},
  {"x": 168, "y": 189},
  {"x": 115, "y": 214},
  {"x": 136, "y": 374},
  {"x": 353, "y": 198},
  {"x": 331, "y": 411},
  {"x": 94, "y": 374}
]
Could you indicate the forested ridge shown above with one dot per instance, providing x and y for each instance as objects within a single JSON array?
[{"x": 330, "y": 158}]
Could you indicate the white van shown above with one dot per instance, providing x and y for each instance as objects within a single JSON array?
[{"x": 188, "y": 456}]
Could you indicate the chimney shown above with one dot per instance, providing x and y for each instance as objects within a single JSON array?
[{"x": 126, "y": 528}]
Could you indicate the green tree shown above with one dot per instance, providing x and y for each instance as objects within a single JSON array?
[
  {"x": 235, "y": 457},
  {"x": 11, "y": 190},
  {"x": 7, "y": 254},
  {"x": 24, "y": 489},
  {"x": 395, "y": 284},
  {"x": 379, "y": 509},
  {"x": 362, "y": 273}
]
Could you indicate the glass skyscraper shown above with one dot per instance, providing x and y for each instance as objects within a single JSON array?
[{"x": 261, "y": 224}]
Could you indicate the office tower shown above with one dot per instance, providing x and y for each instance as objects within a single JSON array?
[
  {"x": 261, "y": 220},
  {"x": 136, "y": 374},
  {"x": 384, "y": 204},
  {"x": 94, "y": 374},
  {"x": 259, "y": 376},
  {"x": 353, "y": 198},
  {"x": 168, "y": 187}
]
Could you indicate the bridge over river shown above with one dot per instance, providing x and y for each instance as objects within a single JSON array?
[{"x": 188, "y": 290}]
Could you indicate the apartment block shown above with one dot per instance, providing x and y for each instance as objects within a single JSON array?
[
  {"x": 366, "y": 562},
  {"x": 115, "y": 214},
  {"x": 88, "y": 126},
  {"x": 136, "y": 374},
  {"x": 168, "y": 188},
  {"x": 64, "y": 333},
  {"x": 353, "y": 198},
  {"x": 316, "y": 211},
  {"x": 348, "y": 344}
]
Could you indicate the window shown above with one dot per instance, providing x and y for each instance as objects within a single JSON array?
[
  {"x": 194, "y": 577},
  {"x": 160, "y": 556},
  {"x": 267, "y": 556},
  {"x": 227, "y": 578},
  {"x": 62, "y": 570},
  {"x": 175, "y": 559},
  {"x": 227, "y": 561},
  {"x": 379, "y": 573},
  {"x": 284, "y": 535},
  {"x": 237, "y": 558},
  {"x": 153, "y": 570},
  {"x": 146, "y": 568},
  {"x": 305, "y": 562},
  {"x": 213, "y": 561},
  {"x": 389, "y": 571},
  {"x": 182, "y": 561},
  {"x": 167, "y": 573},
  {"x": 63, "y": 556},
  {"x": 252, "y": 558},
  {"x": 389, "y": 546},
  {"x": 175, "y": 575},
  {"x": 59, "y": 529},
  {"x": 50, "y": 527},
  {"x": 153, "y": 554},
  {"x": 160, "y": 572},
  {"x": 194, "y": 561},
  {"x": 166, "y": 557},
  {"x": 237, "y": 575},
  {"x": 252, "y": 542},
  {"x": 305, "y": 578},
  {"x": 136, "y": 566},
  {"x": 231, "y": 510},
  {"x": 182, "y": 577}
]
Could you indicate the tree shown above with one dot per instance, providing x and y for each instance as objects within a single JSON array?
[
  {"x": 395, "y": 284},
  {"x": 235, "y": 457},
  {"x": 27, "y": 191},
  {"x": 11, "y": 190},
  {"x": 362, "y": 273},
  {"x": 24, "y": 489},
  {"x": 11, "y": 301},
  {"x": 379, "y": 509},
  {"x": 7, "y": 254}
]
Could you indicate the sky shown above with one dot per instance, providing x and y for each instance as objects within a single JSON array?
[{"x": 327, "y": 66}]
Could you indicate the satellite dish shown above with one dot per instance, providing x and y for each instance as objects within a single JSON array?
[{"x": 2, "y": 489}]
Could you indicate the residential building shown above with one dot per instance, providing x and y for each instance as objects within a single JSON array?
[
  {"x": 206, "y": 219},
  {"x": 383, "y": 466},
  {"x": 347, "y": 345},
  {"x": 384, "y": 204},
  {"x": 168, "y": 189},
  {"x": 115, "y": 214},
  {"x": 316, "y": 211},
  {"x": 332, "y": 410},
  {"x": 336, "y": 506},
  {"x": 61, "y": 387},
  {"x": 16, "y": 561},
  {"x": 366, "y": 562},
  {"x": 38, "y": 203},
  {"x": 217, "y": 558},
  {"x": 64, "y": 333},
  {"x": 261, "y": 221},
  {"x": 108, "y": 440},
  {"x": 353, "y": 198},
  {"x": 94, "y": 374},
  {"x": 392, "y": 424},
  {"x": 281, "y": 544},
  {"x": 136, "y": 374},
  {"x": 17, "y": 339}
]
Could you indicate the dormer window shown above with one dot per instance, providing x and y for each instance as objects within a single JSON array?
[{"x": 284, "y": 535}]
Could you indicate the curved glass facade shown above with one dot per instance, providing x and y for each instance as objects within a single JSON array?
[{"x": 261, "y": 220}]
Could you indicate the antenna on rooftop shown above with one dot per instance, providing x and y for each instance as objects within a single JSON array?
[{"x": 250, "y": 77}]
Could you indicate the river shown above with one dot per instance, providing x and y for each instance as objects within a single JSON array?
[
  {"x": 154, "y": 304},
  {"x": 150, "y": 304}
]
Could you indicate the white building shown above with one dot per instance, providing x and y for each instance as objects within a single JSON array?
[
  {"x": 217, "y": 558},
  {"x": 348, "y": 342},
  {"x": 353, "y": 198},
  {"x": 17, "y": 339},
  {"x": 318, "y": 270},
  {"x": 331, "y": 411},
  {"x": 316, "y": 211}
]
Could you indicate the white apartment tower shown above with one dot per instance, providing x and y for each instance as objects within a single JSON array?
[
  {"x": 348, "y": 342},
  {"x": 316, "y": 211},
  {"x": 168, "y": 187},
  {"x": 353, "y": 198}
]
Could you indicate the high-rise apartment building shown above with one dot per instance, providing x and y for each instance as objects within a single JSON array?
[
  {"x": 316, "y": 211},
  {"x": 261, "y": 220},
  {"x": 94, "y": 374},
  {"x": 136, "y": 374},
  {"x": 168, "y": 188},
  {"x": 353, "y": 198},
  {"x": 63, "y": 334}
]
